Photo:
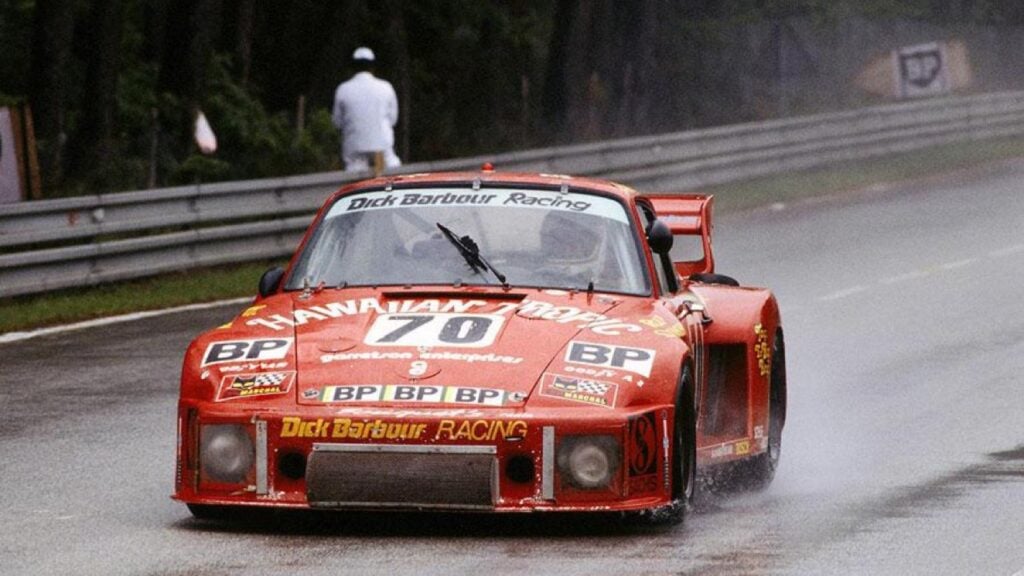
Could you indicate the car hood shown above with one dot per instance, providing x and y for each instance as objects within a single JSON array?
[{"x": 436, "y": 348}]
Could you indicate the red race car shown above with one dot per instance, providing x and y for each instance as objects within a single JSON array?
[{"x": 487, "y": 341}]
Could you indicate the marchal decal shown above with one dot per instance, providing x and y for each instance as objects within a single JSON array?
[
  {"x": 580, "y": 390},
  {"x": 249, "y": 385}
]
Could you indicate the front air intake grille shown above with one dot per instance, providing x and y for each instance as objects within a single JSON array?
[{"x": 360, "y": 475}]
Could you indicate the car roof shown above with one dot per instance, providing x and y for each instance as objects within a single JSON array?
[{"x": 490, "y": 177}]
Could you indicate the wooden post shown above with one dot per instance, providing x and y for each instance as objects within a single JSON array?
[
  {"x": 19, "y": 148},
  {"x": 154, "y": 147},
  {"x": 378, "y": 163},
  {"x": 300, "y": 115},
  {"x": 31, "y": 154}
]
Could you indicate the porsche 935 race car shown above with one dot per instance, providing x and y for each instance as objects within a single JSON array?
[{"x": 486, "y": 341}]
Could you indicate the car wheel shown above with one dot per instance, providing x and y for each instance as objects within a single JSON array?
[
  {"x": 708, "y": 278},
  {"x": 761, "y": 469},
  {"x": 684, "y": 450}
]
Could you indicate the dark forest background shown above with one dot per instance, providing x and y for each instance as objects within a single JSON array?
[{"x": 113, "y": 85}]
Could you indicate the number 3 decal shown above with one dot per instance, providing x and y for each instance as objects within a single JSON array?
[{"x": 466, "y": 330}]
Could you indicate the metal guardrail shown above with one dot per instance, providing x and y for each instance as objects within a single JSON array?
[{"x": 125, "y": 235}]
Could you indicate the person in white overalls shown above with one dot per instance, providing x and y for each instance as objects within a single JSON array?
[{"x": 366, "y": 111}]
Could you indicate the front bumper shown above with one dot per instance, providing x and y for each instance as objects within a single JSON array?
[{"x": 482, "y": 460}]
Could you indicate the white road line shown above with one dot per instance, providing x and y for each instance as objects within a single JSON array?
[
  {"x": 957, "y": 264},
  {"x": 904, "y": 277},
  {"x": 1008, "y": 251},
  {"x": 19, "y": 336},
  {"x": 843, "y": 293},
  {"x": 1019, "y": 572},
  {"x": 915, "y": 274}
]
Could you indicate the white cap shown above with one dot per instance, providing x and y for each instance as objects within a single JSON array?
[{"x": 363, "y": 53}]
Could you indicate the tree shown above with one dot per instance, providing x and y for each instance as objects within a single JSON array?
[
  {"x": 615, "y": 67},
  {"x": 49, "y": 82},
  {"x": 94, "y": 141}
]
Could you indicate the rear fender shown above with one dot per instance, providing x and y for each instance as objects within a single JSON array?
[{"x": 733, "y": 417}]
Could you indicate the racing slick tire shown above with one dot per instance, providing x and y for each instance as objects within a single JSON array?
[
  {"x": 684, "y": 451},
  {"x": 708, "y": 278}
]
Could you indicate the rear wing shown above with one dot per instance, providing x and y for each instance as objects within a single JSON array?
[{"x": 689, "y": 218}]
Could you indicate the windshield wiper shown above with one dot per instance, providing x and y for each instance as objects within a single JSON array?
[{"x": 471, "y": 252}]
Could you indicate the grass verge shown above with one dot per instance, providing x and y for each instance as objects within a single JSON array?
[
  {"x": 862, "y": 173},
  {"x": 25, "y": 312},
  {"x": 73, "y": 305}
]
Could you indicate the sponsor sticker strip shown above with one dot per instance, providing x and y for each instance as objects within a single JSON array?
[
  {"x": 479, "y": 430},
  {"x": 417, "y": 393}
]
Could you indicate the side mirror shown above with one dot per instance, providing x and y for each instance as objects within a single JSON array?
[
  {"x": 270, "y": 280},
  {"x": 659, "y": 237}
]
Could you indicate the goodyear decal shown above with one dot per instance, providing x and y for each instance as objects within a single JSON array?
[
  {"x": 418, "y": 393},
  {"x": 252, "y": 367}
]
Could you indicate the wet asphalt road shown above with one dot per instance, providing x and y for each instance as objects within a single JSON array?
[{"x": 903, "y": 452}]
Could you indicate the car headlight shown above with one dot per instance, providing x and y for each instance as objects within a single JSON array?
[
  {"x": 588, "y": 461},
  {"x": 226, "y": 452}
]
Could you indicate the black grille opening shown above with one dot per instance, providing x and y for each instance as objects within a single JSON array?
[
  {"x": 520, "y": 469},
  {"x": 292, "y": 465}
]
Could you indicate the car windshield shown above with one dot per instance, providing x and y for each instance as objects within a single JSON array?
[{"x": 456, "y": 236}]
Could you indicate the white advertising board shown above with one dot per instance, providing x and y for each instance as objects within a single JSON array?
[
  {"x": 10, "y": 179},
  {"x": 922, "y": 70}
]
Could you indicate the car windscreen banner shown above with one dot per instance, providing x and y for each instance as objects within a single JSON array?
[{"x": 551, "y": 200}]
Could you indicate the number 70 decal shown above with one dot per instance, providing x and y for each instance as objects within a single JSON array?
[{"x": 466, "y": 330}]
